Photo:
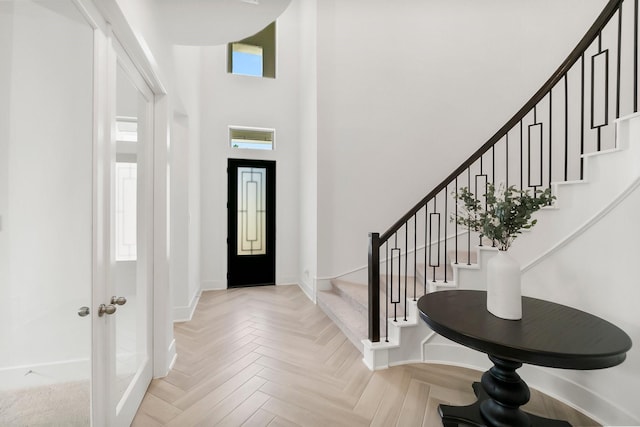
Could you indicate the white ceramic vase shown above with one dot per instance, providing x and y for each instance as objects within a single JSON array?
[{"x": 504, "y": 291}]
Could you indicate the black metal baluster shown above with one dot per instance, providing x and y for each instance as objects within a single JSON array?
[
  {"x": 477, "y": 194},
  {"x": 435, "y": 213},
  {"x": 435, "y": 208},
  {"x": 386, "y": 307},
  {"x": 566, "y": 128},
  {"x": 582, "y": 118},
  {"x": 635, "y": 57},
  {"x": 521, "y": 156},
  {"x": 426, "y": 218},
  {"x": 439, "y": 238},
  {"x": 599, "y": 132},
  {"x": 406, "y": 262},
  {"x": 541, "y": 158},
  {"x": 506, "y": 156},
  {"x": 456, "y": 227},
  {"x": 393, "y": 301},
  {"x": 469, "y": 231},
  {"x": 550, "y": 136},
  {"x": 619, "y": 61},
  {"x": 446, "y": 237},
  {"x": 415, "y": 254}
]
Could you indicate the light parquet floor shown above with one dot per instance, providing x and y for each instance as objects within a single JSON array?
[{"x": 268, "y": 356}]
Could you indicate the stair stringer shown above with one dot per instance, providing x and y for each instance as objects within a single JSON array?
[
  {"x": 607, "y": 175},
  {"x": 401, "y": 346}
]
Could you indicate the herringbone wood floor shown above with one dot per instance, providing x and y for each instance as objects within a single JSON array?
[{"x": 269, "y": 357}]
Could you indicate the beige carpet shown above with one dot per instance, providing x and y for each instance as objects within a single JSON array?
[{"x": 53, "y": 405}]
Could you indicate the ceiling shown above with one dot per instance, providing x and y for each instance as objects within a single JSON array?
[{"x": 215, "y": 22}]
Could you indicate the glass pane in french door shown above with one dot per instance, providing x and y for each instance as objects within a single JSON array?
[
  {"x": 46, "y": 137},
  {"x": 131, "y": 222}
]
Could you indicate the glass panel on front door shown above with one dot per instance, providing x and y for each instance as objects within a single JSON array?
[{"x": 252, "y": 211}]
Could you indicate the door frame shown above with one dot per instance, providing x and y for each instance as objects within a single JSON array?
[{"x": 270, "y": 207}]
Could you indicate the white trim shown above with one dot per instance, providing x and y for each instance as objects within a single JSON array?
[
  {"x": 627, "y": 117},
  {"x": 308, "y": 290},
  {"x": 90, "y": 14},
  {"x": 172, "y": 354},
  {"x": 586, "y": 226},
  {"x": 545, "y": 380},
  {"x": 26, "y": 376},
  {"x": 162, "y": 307},
  {"x": 185, "y": 313},
  {"x": 213, "y": 285},
  {"x": 134, "y": 45},
  {"x": 548, "y": 381}
]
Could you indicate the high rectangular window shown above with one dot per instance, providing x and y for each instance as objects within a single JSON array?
[
  {"x": 246, "y": 59},
  {"x": 255, "y": 55},
  {"x": 251, "y": 138}
]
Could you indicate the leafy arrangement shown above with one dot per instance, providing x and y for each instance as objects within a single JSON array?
[{"x": 503, "y": 214}]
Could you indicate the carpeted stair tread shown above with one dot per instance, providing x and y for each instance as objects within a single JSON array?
[
  {"x": 356, "y": 293},
  {"x": 353, "y": 323}
]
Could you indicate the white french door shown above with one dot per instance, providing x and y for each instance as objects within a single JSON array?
[
  {"x": 76, "y": 219},
  {"x": 123, "y": 224}
]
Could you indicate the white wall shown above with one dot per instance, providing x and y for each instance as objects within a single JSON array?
[
  {"x": 185, "y": 173},
  {"x": 308, "y": 101},
  {"x": 597, "y": 273},
  {"x": 6, "y": 48},
  {"x": 248, "y": 101},
  {"x": 407, "y": 93},
  {"x": 179, "y": 240},
  {"x": 47, "y": 195}
]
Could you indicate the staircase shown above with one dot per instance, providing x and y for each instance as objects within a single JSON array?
[
  {"x": 579, "y": 135},
  {"x": 608, "y": 176}
]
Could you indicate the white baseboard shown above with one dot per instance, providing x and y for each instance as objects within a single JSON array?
[
  {"x": 323, "y": 284},
  {"x": 307, "y": 289},
  {"x": 185, "y": 313},
  {"x": 551, "y": 382},
  {"x": 172, "y": 354},
  {"x": 26, "y": 376},
  {"x": 213, "y": 285}
]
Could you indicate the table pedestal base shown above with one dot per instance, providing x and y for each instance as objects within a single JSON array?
[{"x": 500, "y": 396}]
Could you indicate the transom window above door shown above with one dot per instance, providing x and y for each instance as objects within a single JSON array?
[{"x": 251, "y": 138}]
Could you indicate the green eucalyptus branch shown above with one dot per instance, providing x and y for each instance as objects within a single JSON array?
[{"x": 504, "y": 213}]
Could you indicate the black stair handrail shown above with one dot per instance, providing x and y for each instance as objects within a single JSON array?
[
  {"x": 593, "y": 32},
  {"x": 376, "y": 240}
]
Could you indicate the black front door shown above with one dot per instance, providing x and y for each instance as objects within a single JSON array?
[{"x": 251, "y": 242}]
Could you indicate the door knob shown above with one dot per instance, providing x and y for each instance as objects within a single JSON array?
[
  {"x": 118, "y": 300},
  {"x": 83, "y": 311},
  {"x": 106, "y": 309}
]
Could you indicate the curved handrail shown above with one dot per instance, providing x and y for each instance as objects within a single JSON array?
[{"x": 593, "y": 32}]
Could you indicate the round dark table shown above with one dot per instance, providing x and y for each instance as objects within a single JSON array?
[{"x": 548, "y": 334}]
